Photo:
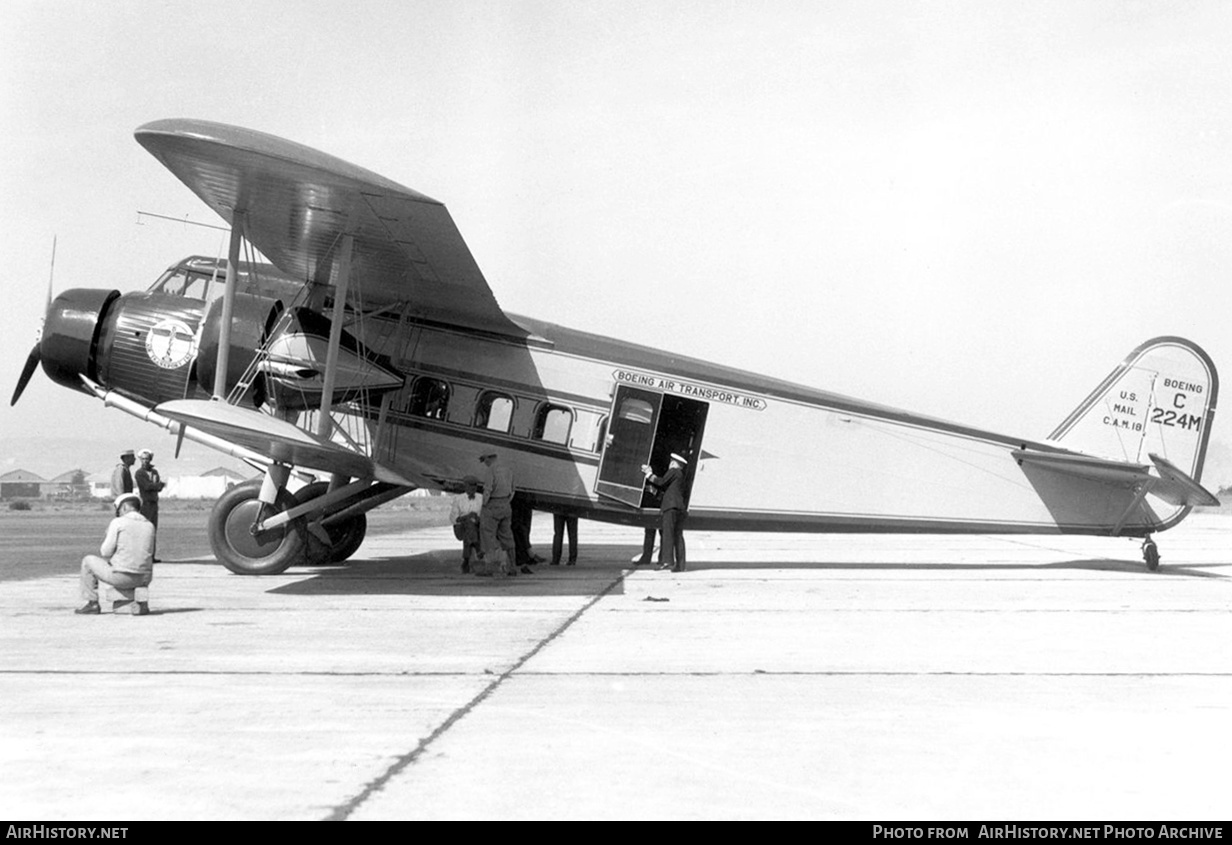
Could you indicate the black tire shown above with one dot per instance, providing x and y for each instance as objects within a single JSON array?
[
  {"x": 345, "y": 537},
  {"x": 1150, "y": 552},
  {"x": 236, "y": 548}
]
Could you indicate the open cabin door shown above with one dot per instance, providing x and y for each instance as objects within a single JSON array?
[
  {"x": 645, "y": 427},
  {"x": 630, "y": 437}
]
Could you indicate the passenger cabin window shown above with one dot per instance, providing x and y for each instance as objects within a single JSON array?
[
  {"x": 552, "y": 423},
  {"x": 429, "y": 398},
  {"x": 494, "y": 411}
]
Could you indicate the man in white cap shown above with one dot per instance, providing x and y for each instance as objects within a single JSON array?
[
  {"x": 672, "y": 511},
  {"x": 149, "y": 485},
  {"x": 125, "y": 559}
]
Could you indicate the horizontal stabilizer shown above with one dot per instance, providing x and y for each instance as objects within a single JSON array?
[
  {"x": 1168, "y": 482},
  {"x": 1086, "y": 466},
  {"x": 276, "y": 439},
  {"x": 1177, "y": 488}
]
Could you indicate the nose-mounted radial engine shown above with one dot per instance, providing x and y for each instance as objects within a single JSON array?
[{"x": 162, "y": 345}]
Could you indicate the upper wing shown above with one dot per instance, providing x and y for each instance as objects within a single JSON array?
[{"x": 298, "y": 203}]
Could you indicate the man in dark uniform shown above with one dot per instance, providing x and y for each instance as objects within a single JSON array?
[
  {"x": 648, "y": 544},
  {"x": 562, "y": 524},
  {"x": 672, "y": 510},
  {"x": 122, "y": 475},
  {"x": 523, "y": 505},
  {"x": 149, "y": 485}
]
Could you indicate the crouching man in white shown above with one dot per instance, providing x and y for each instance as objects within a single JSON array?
[{"x": 127, "y": 561}]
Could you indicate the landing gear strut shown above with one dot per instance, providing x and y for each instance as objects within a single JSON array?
[{"x": 1150, "y": 553}]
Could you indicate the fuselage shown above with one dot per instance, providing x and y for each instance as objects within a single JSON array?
[
  {"x": 577, "y": 415},
  {"x": 764, "y": 454}
]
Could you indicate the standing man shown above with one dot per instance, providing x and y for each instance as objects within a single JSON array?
[
  {"x": 127, "y": 557},
  {"x": 464, "y": 512},
  {"x": 673, "y": 512},
  {"x": 149, "y": 485},
  {"x": 560, "y": 523},
  {"x": 497, "y": 515},
  {"x": 122, "y": 476}
]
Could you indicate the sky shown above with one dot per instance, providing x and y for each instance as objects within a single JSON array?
[{"x": 965, "y": 209}]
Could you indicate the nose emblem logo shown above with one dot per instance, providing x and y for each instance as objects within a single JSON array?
[{"x": 170, "y": 344}]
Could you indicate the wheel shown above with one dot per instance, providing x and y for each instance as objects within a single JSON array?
[
  {"x": 1150, "y": 552},
  {"x": 345, "y": 537},
  {"x": 234, "y": 544}
]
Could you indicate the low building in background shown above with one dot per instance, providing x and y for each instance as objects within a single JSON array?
[{"x": 21, "y": 484}]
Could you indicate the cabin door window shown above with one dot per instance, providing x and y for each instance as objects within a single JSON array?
[{"x": 630, "y": 439}]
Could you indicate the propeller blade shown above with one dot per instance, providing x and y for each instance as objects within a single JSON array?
[
  {"x": 36, "y": 355},
  {"x": 51, "y": 277},
  {"x": 31, "y": 362}
]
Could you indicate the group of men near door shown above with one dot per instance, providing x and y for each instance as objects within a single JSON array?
[{"x": 494, "y": 526}]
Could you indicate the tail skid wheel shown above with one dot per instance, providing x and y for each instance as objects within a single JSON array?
[
  {"x": 1150, "y": 553},
  {"x": 238, "y": 548}
]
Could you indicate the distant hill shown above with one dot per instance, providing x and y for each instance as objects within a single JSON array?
[{"x": 51, "y": 456}]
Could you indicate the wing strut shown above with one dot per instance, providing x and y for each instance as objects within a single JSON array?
[
  {"x": 341, "y": 282},
  {"x": 228, "y": 303}
]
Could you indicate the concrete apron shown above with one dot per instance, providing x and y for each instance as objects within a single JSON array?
[{"x": 782, "y": 676}]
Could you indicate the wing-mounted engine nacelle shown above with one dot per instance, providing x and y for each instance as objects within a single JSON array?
[
  {"x": 252, "y": 320},
  {"x": 140, "y": 344},
  {"x": 295, "y": 367}
]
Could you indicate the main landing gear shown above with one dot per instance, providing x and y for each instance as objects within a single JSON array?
[
  {"x": 243, "y": 544},
  {"x": 243, "y": 549},
  {"x": 335, "y": 542}
]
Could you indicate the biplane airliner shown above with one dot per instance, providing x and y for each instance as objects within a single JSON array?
[{"x": 368, "y": 348}]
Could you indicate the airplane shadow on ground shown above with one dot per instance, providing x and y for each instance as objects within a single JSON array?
[{"x": 438, "y": 573}]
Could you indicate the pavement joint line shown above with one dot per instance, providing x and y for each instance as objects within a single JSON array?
[
  {"x": 344, "y": 811},
  {"x": 821, "y": 673}
]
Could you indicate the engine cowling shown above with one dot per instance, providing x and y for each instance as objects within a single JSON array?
[{"x": 141, "y": 344}]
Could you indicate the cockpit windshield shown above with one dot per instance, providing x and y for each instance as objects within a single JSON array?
[{"x": 200, "y": 277}]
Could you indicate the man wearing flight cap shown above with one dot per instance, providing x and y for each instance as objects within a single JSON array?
[
  {"x": 496, "y": 520},
  {"x": 673, "y": 511},
  {"x": 125, "y": 559},
  {"x": 149, "y": 485},
  {"x": 122, "y": 476}
]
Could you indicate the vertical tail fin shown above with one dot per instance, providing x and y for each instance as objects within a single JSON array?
[{"x": 1159, "y": 401}]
